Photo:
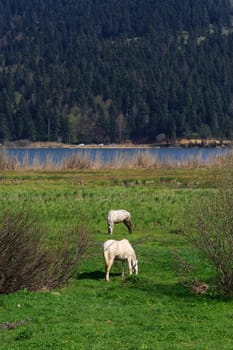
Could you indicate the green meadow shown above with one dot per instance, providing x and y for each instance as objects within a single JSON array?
[{"x": 153, "y": 310}]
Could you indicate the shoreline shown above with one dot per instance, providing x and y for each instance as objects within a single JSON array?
[{"x": 182, "y": 143}]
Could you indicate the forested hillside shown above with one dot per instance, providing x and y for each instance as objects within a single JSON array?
[{"x": 115, "y": 70}]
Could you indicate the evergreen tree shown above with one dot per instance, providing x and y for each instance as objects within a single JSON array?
[{"x": 132, "y": 68}]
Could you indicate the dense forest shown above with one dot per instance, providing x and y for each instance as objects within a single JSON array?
[{"x": 105, "y": 71}]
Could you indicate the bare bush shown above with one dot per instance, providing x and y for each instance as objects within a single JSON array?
[
  {"x": 25, "y": 263},
  {"x": 209, "y": 228}
]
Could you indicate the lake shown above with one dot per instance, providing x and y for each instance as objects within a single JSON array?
[{"x": 105, "y": 155}]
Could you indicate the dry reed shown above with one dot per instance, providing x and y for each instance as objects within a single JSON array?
[
  {"x": 7, "y": 163},
  {"x": 120, "y": 161}
]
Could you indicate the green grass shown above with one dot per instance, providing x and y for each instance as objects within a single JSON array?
[{"x": 149, "y": 311}]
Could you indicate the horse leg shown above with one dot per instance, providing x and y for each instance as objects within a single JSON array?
[
  {"x": 128, "y": 224},
  {"x": 130, "y": 265},
  {"x": 123, "y": 269},
  {"x": 108, "y": 266},
  {"x": 110, "y": 228}
]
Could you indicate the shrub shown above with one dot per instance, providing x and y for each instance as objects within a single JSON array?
[
  {"x": 209, "y": 228},
  {"x": 25, "y": 262}
]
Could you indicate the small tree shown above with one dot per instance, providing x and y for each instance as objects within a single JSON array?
[
  {"x": 209, "y": 228},
  {"x": 25, "y": 262}
]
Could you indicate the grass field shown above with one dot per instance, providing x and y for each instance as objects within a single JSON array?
[{"x": 150, "y": 311}]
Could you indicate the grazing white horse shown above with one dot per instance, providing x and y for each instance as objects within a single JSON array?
[
  {"x": 119, "y": 250},
  {"x": 117, "y": 216}
]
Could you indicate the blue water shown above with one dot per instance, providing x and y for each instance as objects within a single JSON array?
[{"x": 56, "y": 156}]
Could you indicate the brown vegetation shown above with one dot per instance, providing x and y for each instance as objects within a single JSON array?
[
  {"x": 25, "y": 263},
  {"x": 209, "y": 229},
  {"x": 144, "y": 160}
]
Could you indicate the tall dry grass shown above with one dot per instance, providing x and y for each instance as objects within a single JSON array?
[
  {"x": 144, "y": 160},
  {"x": 120, "y": 161},
  {"x": 7, "y": 163},
  {"x": 222, "y": 160}
]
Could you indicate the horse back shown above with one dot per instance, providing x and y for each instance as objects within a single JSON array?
[{"x": 118, "y": 215}]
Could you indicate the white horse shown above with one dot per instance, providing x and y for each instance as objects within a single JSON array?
[
  {"x": 117, "y": 216},
  {"x": 119, "y": 250}
]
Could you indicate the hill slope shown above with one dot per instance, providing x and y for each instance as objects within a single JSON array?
[{"x": 113, "y": 70}]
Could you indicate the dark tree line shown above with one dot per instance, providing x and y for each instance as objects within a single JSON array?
[{"x": 115, "y": 70}]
